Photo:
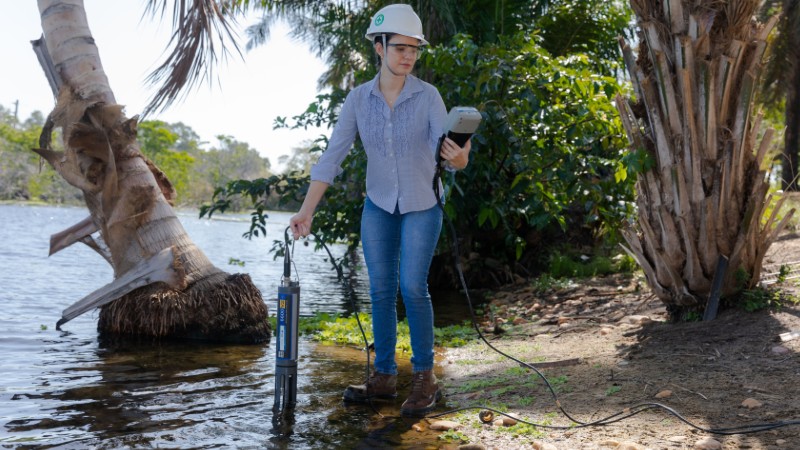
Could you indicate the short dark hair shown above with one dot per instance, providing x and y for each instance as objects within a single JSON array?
[{"x": 379, "y": 37}]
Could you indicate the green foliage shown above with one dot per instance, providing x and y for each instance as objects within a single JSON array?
[
  {"x": 525, "y": 401},
  {"x": 157, "y": 142},
  {"x": 454, "y": 436},
  {"x": 41, "y": 184},
  {"x": 545, "y": 158},
  {"x": 789, "y": 202},
  {"x": 634, "y": 162},
  {"x": 516, "y": 371},
  {"x": 335, "y": 29},
  {"x": 235, "y": 262},
  {"x": 587, "y": 26},
  {"x": 524, "y": 429},
  {"x": 480, "y": 384},
  {"x": 752, "y": 300},
  {"x": 776, "y": 80},
  {"x": 783, "y": 272},
  {"x": 550, "y": 154},
  {"x": 562, "y": 265},
  {"x": 453, "y": 336},
  {"x": 308, "y": 325},
  {"x": 338, "y": 217},
  {"x": 23, "y": 176},
  {"x": 335, "y": 329},
  {"x": 547, "y": 152},
  {"x": 613, "y": 390},
  {"x": 692, "y": 316},
  {"x": 155, "y": 138},
  {"x": 741, "y": 278},
  {"x": 284, "y": 188},
  {"x": 173, "y": 148},
  {"x": 546, "y": 282},
  {"x": 559, "y": 383},
  {"x": 179, "y": 169}
]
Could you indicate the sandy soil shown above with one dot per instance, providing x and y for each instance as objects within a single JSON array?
[{"x": 605, "y": 347}]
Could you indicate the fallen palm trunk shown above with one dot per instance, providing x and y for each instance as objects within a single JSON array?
[
  {"x": 161, "y": 268},
  {"x": 129, "y": 201}
]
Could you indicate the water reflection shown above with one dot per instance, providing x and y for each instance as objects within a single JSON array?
[
  {"x": 143, "y": 395},
  {"x": 67, "y": 390},
  {"x": 203, "y": 396}
]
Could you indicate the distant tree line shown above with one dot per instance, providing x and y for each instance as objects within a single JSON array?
[{"x": 175, "y": 148}]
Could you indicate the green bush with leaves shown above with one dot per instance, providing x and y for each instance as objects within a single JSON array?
[
  {"x": 548, "y": 156},
  {"x": 549, "y": 153}
]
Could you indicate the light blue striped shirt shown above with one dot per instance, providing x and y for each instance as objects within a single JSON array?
[{"x": 400, "y": 144}]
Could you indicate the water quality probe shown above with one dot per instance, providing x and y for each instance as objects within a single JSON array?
[
  {"x": 287, "y": 330},
  {"x": 461, "y": 124},
  {"x": 288, "y": 313}
]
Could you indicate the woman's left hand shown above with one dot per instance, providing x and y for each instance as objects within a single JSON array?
[{"x": 458, "y": 156}]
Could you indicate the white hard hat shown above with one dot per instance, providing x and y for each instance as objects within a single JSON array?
[{"x": 398, "y": 19}]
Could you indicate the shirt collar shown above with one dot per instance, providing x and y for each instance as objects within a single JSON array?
[{"x": 410, "y": 87}]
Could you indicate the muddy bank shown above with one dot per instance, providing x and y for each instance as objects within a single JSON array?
[{"x": 605, "y": 346}]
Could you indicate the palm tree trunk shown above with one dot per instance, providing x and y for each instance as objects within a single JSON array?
[
  {"x": 706, "y": 194},
  {"x": 129, "y": 200},
  {"x": 791, "y": 149},
  {"x": 791, "y": 146}
]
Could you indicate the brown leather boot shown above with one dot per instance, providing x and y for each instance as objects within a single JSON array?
[
  {"x": 425, "y": 393},
  {"x": 378, "y": 386}
]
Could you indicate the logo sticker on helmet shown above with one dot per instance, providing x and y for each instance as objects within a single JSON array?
[{"x": 378, "y": 19}]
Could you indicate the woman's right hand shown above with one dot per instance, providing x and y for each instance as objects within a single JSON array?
[{"x": 300, "y": 224}]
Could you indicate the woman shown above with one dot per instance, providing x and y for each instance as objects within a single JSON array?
[{"x": 400, "y": 119}]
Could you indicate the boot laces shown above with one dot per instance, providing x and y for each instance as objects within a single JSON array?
[{"x": 417, "y": 382}]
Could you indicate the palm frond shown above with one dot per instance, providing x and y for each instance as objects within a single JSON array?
[
  {"x": 202, "y": 32},
  {"x": 259, "y": 32}
]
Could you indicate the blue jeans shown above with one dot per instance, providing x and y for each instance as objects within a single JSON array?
[{"x": 398, "y": 249}]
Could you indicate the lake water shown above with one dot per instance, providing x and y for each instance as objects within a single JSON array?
[{"x": 62, "y": 389}]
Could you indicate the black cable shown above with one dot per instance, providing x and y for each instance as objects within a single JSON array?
[{"x": 612, "y": 418}]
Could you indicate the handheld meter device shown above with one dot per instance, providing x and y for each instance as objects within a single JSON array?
[
  {"x": 460, "y": 125},
  {"x": 462, "y": 121}
]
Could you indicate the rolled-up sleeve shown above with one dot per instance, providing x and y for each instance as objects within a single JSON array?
[{"x": 328, "y": 167}]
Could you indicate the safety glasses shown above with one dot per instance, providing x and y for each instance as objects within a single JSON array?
[{"x": 404, "y": 50}]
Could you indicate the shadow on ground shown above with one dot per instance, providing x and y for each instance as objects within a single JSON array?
[{"x": 605, "y": 347}]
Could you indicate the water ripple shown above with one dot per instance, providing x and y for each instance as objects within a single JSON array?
[{"x": 62, "y": 389}]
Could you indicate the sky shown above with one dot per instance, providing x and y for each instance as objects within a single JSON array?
[{"x": 275, "y": 79}]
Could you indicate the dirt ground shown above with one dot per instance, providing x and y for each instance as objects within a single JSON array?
[{"x": 605, "y": 346}]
